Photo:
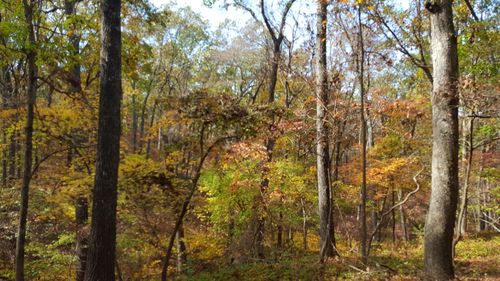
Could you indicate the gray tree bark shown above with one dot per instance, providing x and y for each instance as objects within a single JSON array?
[
  {"x": 102, "y": 242},
  {"x": 438, "y": 258},
  {"x": 322, "y": 140}
]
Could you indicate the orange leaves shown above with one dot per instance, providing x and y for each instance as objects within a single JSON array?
[
  {"x": 291, "y": 126},
  {"x": 247, "y": 150}
]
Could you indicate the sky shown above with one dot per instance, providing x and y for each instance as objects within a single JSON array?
[{"x": 214, "y": 15}]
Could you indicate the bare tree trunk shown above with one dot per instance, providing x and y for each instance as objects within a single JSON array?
[
  {"x": 462, "y": 215},
  {"x": 187, "y": 201},
  {"x": 6, "y": 92},
  {"x": 438, "y": 257},
  {"x": 304, "y": 225},
  {"x": 81, "y": 217},
  {"x": 181, "y": 249},
  {"x": 322, "y": 141},
  {"x": 362, "y": 209},
  {"x": 481, "y": 196},
  {"x": 102, "y": 242},
  {"x": 402, "y": 215},
  {"x": 74, "y": 79},
  {"x": 134, "y": 124},
  {"x": 393, "y": 214},
  {"x": 28, "y": 149},
  {"x": 279, "y": 242},
  {"x": 151, "y": 121}
]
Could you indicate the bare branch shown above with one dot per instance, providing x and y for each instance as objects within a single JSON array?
[
  {"x": 471, "y": 9},
  {"x": 407, "y": 197}
]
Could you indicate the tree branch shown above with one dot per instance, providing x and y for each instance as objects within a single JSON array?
[
  {"x": 407, "y": 197},
  {"x": 471, "y": 9}
]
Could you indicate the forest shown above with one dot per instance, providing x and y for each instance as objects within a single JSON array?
[{"x": 249, "y": 140}]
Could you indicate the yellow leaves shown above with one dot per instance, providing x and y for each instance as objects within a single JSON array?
[{"x": 6, "y": 114}]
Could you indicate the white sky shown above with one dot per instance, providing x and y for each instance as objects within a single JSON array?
[
  {"x": 213, "y": 15},
  {"x": 216, "y": 15}
]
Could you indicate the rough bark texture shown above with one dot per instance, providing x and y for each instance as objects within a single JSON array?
[
  {"x": 322, "y": 147},
  {"x": 438, "y": 259},
  {"x": 101, "y": 253},
  {"x": 28, "y": 148}
]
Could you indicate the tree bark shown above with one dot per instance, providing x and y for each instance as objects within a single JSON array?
[
  {"x": 363, "y": 195},
  {"x": 181, "y": 249},
  {"x": 81, "y": 218},
  {"x": 462, "y": 215},
  {"x": 438, "y": 258},
  {"x": 28, "y": 149},
  {"x": 322, "y": 141},
  {"x": 102, "y": 241}
]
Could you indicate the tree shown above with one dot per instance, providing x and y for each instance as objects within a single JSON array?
[
  {"x": 102, "y": 241},
  {"x": 31, "y": 90},
  {"x": 277, "y": 36},
  {"x": 322, "y": 140},
  {"x": 362, "y": 209},
  {"x": 438, "y": 258}
]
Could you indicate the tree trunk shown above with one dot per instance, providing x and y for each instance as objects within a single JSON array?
[
  {"x": 102, "y": 242},
  {"x": 134, "y": 124},
  {"x": 481, "y": 195},
  {"x": 151, "y": 121},
  {"x": 74, "y": 79},
  {"x": 322, "y": 141},
  {"x": 6, "y": 92},
  {"x": 393, "y": 215},
  {"x": 462, "y": 215},
  {"x": 438, "y": 258},
  {"x": 28, "y": 149},
  {"x": 404, "y": 228},
  {"x": 304, "y": 225},
  {"x": 81, "y": 218},
  {"x": 279, "y": 243},
  {"x": 181, "y": 249},
  {"x": 74, "y": 39},
  {"x": 362, "y": 209}
]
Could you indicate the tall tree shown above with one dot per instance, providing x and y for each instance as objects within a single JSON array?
[
  {"x": 438, "y": 258},
  {"x": 29, "y": 7},
  {"x": 322, "y": 133},
  {"x": 277, "y": 36},
  {"x": 361, "y": 73},
  {"x": 102, "y": 241}
]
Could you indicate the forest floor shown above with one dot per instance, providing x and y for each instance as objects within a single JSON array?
[{"x": 478, "y": 258}]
